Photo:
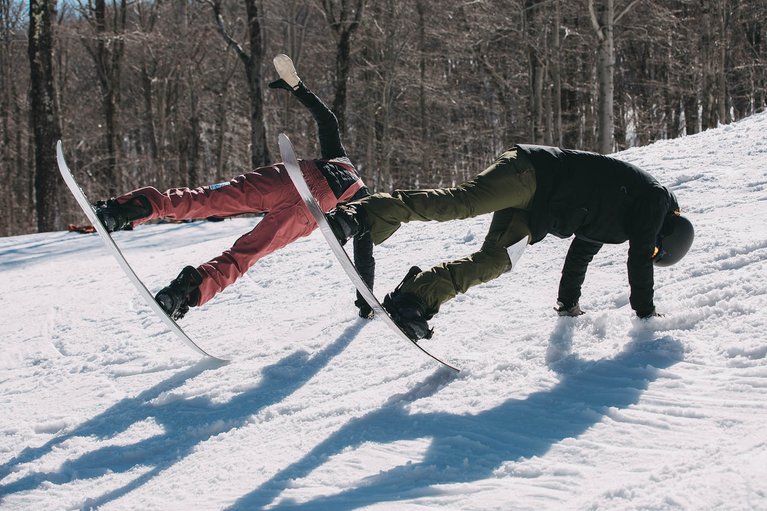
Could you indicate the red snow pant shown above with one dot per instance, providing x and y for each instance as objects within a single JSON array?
[{"x": 265, "y": 190}]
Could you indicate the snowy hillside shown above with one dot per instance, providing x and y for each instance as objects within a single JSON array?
[{"x": 102, "y": 408}]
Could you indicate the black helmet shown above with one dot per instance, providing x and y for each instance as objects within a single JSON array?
[{"x": 674, "y": 240}]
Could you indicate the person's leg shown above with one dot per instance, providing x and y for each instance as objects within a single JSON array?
[
  {"x": 255, "y": 192},
  {"x": 287, "y": 220},
  {"x": 276, "y": 230},
  {"x": 508, "y": 183},
  {"x": 443, "y": 282},
  {"x": 265, "y": 189}
]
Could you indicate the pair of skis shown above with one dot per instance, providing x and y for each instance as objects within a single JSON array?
[{"x": 291, "y": 165}]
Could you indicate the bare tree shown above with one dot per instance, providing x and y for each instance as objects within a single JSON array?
[
  {"x": 13, "y": 128},
  {"x": 344, "y": 18},
  {"x": 106, "y": 48},
  {"x": 747, "y": 63},
  {"x": 535, "y": 27},
  {"x": 604, "y": 19},
  {"x": 295, "y": 16},
  {"x": 44, "y": 114},
  {"x": 251, "y": 62},
  {"x": 428, "y": 91},
  {"x": 715, "y": 17},
  {"x": 555, "y": 70}
]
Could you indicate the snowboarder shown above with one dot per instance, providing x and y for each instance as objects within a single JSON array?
[
  {"x": 532, "y": 191},
  {"x": 269, "y": 190}
]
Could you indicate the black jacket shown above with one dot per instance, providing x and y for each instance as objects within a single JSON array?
[
  {"x": 599, "y": 199},
  {"x": 340, "y": 179}
]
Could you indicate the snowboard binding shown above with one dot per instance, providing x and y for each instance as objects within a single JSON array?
[
  {"x": 408, "y": 310},
  {"x": 182, "y": 293},
  {"x": 120, "y": 217}
]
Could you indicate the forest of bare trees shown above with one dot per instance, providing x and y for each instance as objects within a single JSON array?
[{"x": 173, "y": 92}]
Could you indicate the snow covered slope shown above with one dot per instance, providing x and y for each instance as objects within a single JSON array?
[{"x": 101, "y": 408}]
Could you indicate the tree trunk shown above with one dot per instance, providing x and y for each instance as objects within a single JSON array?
[
  {"x": 259, "y": 152},
  {"x": 44, "y": 114},
  {"x": 724, "y": 21},
  {"x": 107, "y": 56},
  {"x": 147, "y": 92},
  {"x": 556, "y": 74},
  {"x": 710, "y": 62},
  {"x": 422, "y": 112},
  {"x": 8, "y": 107},
  {"x": 344, "y": 20},
  {"x": 222, "y": 127},
  {"x": 193, "y": 145},
  {"x": 533, "y": 21},
  {"x": 691, "y": 114},
  {"x": 293, "y": 36},
  {"x": 603, "y": 19}
]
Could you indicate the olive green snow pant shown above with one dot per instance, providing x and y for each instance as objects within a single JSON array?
[{"x": 506, "y": 188}]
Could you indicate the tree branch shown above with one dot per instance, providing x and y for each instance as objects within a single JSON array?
[
  {"x": 626, "y": 10},
  {"x": 230, "y": 42},
  {"x": 595, "y": 21}
]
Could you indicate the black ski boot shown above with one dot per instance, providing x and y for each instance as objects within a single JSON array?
[
  {"x": 181, "y": 294},
  {"x": 409, "y": 311},
  {"x": 346, "y": 221},
  {"x": 118, "y": 217}
]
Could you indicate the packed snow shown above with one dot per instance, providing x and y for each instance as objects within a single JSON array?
[{"x": 318, "y": 409}]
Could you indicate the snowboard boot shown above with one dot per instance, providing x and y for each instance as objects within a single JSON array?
[
  {"x": 408, "y": 310},
  {"x": 182, "y": 293},
  {"x": 346, "y": 221},
  {"x": 120, "y": 217}
]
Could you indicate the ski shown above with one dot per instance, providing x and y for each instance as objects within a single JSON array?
[
  {"x": 294, "y": 171},
  {"x": 87, "y": 208}
]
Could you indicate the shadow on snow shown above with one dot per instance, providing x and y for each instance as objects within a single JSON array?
[
  {"x": 467, "y": 448},
  {"x": 186, "y": 423}
]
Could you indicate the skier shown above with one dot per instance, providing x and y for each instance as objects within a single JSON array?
[
  {"x": 269, "y": 190},
  {"x": 532, "y": 191}
]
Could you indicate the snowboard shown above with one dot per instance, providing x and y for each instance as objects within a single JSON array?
[
  {"x": 86, "y": 206},
  {"x": 294, "y": 171}
]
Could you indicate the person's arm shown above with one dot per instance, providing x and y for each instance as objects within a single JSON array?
[
  {"x": 327, "y": 123},
  {"x": 364, "y": 261},
  {"x": 577, "y": 261},
  {"x": 647, "y": 220}
]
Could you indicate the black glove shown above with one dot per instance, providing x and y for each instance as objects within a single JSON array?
[
  {"x": 568, "y": 310},
  {"x": 365, "y": 311},
  {"x": 652, "y": 314}
]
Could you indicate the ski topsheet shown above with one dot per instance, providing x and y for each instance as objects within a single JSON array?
[
  {"x": 86, "y": 206},
  {"x": 294, "y": 171}
]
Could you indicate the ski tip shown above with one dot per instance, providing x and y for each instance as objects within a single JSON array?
[
  {"x": 60, "y": 160},
  {"x": 284, "y": 144}
]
